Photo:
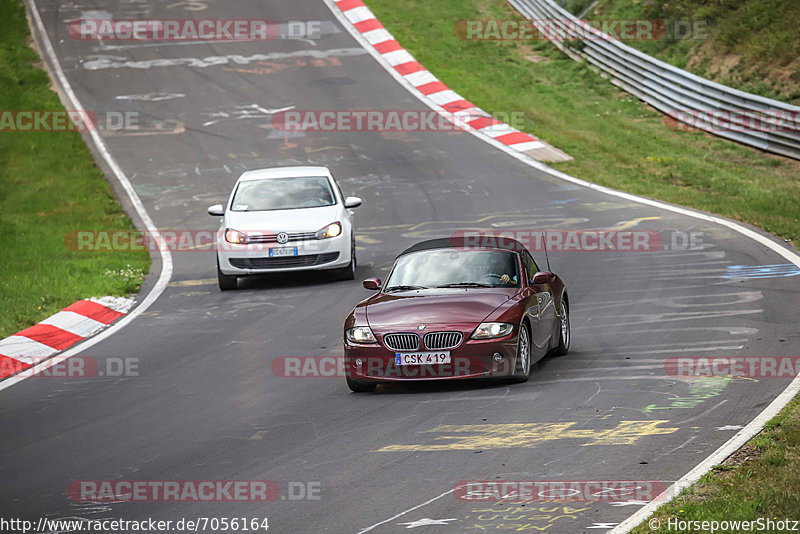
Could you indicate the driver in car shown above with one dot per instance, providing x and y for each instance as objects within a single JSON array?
[
  {"x": 320, "y": 195},
  {"x": 496, "y": 270}
]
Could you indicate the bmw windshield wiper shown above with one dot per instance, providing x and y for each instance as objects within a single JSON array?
[
  {"x": 404, "y": 288},
  {"x": 467, "y": 284}
]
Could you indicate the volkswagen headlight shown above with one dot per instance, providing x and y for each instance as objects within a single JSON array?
[
  {"x": 235, "y": 236},
  {"x": 332, "y": 230}
]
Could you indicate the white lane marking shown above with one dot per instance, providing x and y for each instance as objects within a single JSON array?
[
  {"x": 74, "y": 323},
  {"x": 690, "y": 349},
  {"x": 729, "y": 427},
  {"x": 102, "y": 149},
  {"x": 702, "y": 414},
  {"x": 151, "y": 97},
  {"x": 679, "y": 447},
  {"x": 242, "y": 112},
  {"x": 673, "y": 301},
  {"x": 688, "y": 344},
  {"x": 425, "y": 521},
  {"x": 448, "y": 492},
  {"x": 117, "y": 62}
]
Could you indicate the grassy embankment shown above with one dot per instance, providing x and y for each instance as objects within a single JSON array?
[
  {"x": 49, "y": 186},
  {"x": 751, "y": 45}
]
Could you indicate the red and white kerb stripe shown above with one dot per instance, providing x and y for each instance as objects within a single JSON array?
[
  {"x": 58, "y": 332},
  {"x": 404, "y": 63}
]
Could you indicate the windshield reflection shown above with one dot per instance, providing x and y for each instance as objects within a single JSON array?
[{"x": 454, "y": 268}]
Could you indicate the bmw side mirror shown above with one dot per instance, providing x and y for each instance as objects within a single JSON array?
[
  {"x": 372, "y": 283},
  {"x": 216, "y": 210},
  {"x": 542, "y": 277},
  {"x": 352, "y": 202}
]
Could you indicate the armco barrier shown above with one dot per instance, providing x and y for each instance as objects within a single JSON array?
[{"x": 667, "y": 88}]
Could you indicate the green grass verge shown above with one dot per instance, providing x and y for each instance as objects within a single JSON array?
[
  {"x": 49, "y": 185},
  {"x": 619, "y": 142},
  {"x": 615, "y": 139},
  {"x": 760, "y": 481}
]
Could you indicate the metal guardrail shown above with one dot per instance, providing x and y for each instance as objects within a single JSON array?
[{"x": 685, "y": 97}]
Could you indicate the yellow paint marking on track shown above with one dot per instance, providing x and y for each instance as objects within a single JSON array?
[
  {"x": 310, "y": 150},
  {"x": 514, "y": 435},
  {"x": 201, "y": 282},
  {"x": 481, "y": 219},
  {"x": 633, "y": 222}
]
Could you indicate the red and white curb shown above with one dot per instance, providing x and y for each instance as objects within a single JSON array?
[
  {"x": 58, "y": 332},
  {"x": 365, "y": 22}
]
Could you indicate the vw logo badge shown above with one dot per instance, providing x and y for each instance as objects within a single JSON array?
[
  {"x": 421, "y": 327},
  {"x": 282, "y": 237}
]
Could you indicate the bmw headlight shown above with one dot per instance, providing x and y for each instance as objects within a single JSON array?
[
  {"x": 492, "y": 330},
  {"x": 360, "y": 334},
  {"x": 235, "y": 236},
  {"x": 332, "y": 230}
]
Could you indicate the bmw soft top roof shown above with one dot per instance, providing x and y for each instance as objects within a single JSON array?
[{"x": 481, "y": 241}]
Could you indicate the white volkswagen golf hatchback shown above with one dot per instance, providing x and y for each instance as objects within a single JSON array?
[{"x": 285, "y": 219}]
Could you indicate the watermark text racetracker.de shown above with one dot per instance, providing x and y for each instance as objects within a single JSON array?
[
  {"x": 378, "y": 367},
  {"x": 558, "y": 490},
  {"x": 192, "y": 29},
  {"x": 395, "y": 120},
  {"x": 119, "y": 491},
  {"x": 73, "y": 367},
  {"x": 178, "y": 240},
  {"x": 733, "y": 366},
  {"x": 738, "y": 120},
  {"x": 581, "y": 29},
  {"x": 67, "y": 120},
  {"x": 601, "y": 240}
]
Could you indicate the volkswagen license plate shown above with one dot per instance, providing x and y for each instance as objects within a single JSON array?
[{"x": 285, "y": 251}]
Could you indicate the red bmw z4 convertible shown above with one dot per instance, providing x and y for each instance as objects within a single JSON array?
[{"x": 450, "y": 309}]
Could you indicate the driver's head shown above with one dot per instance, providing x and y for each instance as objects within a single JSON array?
[
  {"x": 320, "y": 191},
  {"x": 496, "y": 263},
  {"x": 261, "y": 191}
]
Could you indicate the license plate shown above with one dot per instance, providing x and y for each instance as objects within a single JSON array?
[
  {"x": 285, "y": 251},
  {"x": 421, "y": 358}
]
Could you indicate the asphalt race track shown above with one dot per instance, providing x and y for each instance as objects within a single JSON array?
[{"x": 207, "y": 405}]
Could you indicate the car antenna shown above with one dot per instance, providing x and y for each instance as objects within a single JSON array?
[{"x": 544, "y": 242}]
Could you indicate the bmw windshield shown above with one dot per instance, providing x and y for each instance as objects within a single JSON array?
[{"x": 440, "y": 268}]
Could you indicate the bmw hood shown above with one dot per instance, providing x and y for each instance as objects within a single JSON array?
[{"x": 407, "y": 310}]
